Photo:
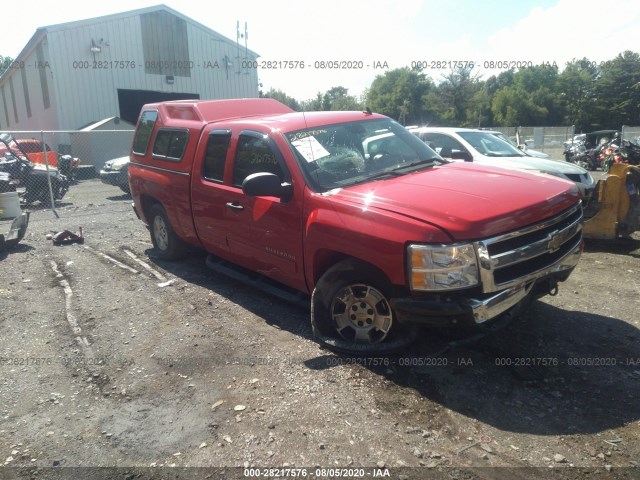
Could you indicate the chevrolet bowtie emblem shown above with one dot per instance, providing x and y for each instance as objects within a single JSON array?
[{"x": 555, "y": 241}]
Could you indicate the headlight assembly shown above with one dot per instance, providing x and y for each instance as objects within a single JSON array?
[
  {"x": 117, "y": 166},
  {"x": 435, "y": 268}
]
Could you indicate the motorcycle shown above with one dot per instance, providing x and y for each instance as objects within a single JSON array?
[
  {"x": 68, "y": 166},
  {"x": 609, "y": 155},
  {"x": 627, "y": 152},
  {"x": 31, "y": 180}
]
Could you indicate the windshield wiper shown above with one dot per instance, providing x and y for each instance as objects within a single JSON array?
[
  {"x": 380, "y": 176},
  {"x": 424, "y": 161},
  {"x": 397, "y": 171}
]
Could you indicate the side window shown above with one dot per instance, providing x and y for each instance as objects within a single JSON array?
[
  {"x": 444, "y": 145},
  {"x": 143, "y": 132},
  {"x": 216, "y": 154},
  {"x": 253, "y": 155},
  {"x": 170, "y": 144}
]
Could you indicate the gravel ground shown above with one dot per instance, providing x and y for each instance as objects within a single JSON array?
[{"x": 105, "y": 363}]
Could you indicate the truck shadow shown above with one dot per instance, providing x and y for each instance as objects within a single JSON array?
[
  {"x": 550, "y": 372},
  {"x": 120, "y": 197},
  {"x": 272, "y": 310},
  {"x": 622, "y": 246}
]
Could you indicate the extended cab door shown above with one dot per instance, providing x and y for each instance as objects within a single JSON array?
[
  {"x": 208, "y": 191},
  {"x": 263, "y": 234}
]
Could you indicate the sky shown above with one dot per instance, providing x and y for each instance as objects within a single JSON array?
[{"x": 375, "y": 35}]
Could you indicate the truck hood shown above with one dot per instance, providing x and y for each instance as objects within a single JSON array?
[{"x": 466, "y": 200}]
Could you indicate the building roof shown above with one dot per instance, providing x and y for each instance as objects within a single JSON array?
[
  {"x": 105, "y": 121},
  {"x": 41, "y": 32}
]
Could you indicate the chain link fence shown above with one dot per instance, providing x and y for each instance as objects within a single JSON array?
[
  {"x": 631, "y": 134},
  {"x": 42, "y": 170},
  {"x": 549, "y": 140}
]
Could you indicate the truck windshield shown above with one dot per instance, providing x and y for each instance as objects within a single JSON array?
[{"x": 339, "y": 155}]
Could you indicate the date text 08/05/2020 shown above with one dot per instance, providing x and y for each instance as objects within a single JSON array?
[{"x": 298, "y": 64}]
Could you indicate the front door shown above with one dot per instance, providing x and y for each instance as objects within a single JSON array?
[{"x": 263, "y": 233}]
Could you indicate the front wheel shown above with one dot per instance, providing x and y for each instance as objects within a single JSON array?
[
  {"x": 168, "y": 245},
  {"x": 351, "y": 312}
]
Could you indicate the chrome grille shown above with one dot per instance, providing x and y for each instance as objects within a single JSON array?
[{"x": 524, "y": 255}]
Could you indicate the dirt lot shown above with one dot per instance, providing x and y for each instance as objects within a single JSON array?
[{"x": 100, "y": 366}]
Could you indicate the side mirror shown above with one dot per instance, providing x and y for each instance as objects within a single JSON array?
[
  {"x": 459, "y": 155},
  {"x": 265, "y": 184}
]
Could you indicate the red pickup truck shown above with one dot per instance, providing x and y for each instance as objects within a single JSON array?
[{"x": 353, "y": 210}]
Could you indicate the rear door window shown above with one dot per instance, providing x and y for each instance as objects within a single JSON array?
[
  {"x": 216, "y": 155},
  {"x": 144, "y": 131}
]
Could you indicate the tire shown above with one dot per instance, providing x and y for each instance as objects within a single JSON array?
[
  {"x": 351, "y": 312},
  {"x": 166, "y": 243}
]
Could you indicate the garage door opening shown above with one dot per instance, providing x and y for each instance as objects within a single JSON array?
[{"x": 131, "y": 101}]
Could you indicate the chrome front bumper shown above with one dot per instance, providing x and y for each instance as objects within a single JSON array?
[
  {"x": 436, "y": 311},
  {"x": 489, "y": 308}
]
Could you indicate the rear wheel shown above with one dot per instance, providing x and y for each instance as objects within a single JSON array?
[
  {"x": 351, "y": 312},
  {"x": 167, "y": 244}
]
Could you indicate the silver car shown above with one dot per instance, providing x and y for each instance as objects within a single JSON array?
[{"x": 484, "y": 147}]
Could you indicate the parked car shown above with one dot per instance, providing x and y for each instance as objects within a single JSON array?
[
  {"x": 484, "y": 147},
  {"x": 116, "y": 172},
  {"x": 351, "y": 213},
  {"x": 529, "y": 151}
]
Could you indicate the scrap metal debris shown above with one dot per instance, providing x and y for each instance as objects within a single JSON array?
[{"x": 66, "y": 237}]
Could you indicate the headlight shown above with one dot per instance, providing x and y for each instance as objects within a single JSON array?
[
  {"x": 117, "y": 166},
  {"x": 443, "y": 267}
]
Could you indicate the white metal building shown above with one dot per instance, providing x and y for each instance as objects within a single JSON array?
[{"x": 73, "y": 74}]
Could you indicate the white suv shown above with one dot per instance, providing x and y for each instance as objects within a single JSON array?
[{"x": 480, "y": 146}]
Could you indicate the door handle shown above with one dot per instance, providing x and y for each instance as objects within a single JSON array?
[{"x": 234, "y": 206}]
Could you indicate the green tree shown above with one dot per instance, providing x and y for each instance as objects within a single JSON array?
[
  {"x": 513, "y": 106},
  {"x": 495, "y": 83},
  {"x": 576, "y": 85},
  {"x": 458, "y": 90},
  {"x": 531, "y": 99},
  {"x": 282, "y": 98},
  {"x": 338, "y": 98},
  {"x": 617, "y": 92},
  {"x": 313, "y": 105},
  {"x": 4, "y": 63},
  {"x": 400, "y": 94},
  {"x": 481, "y": 108}
]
